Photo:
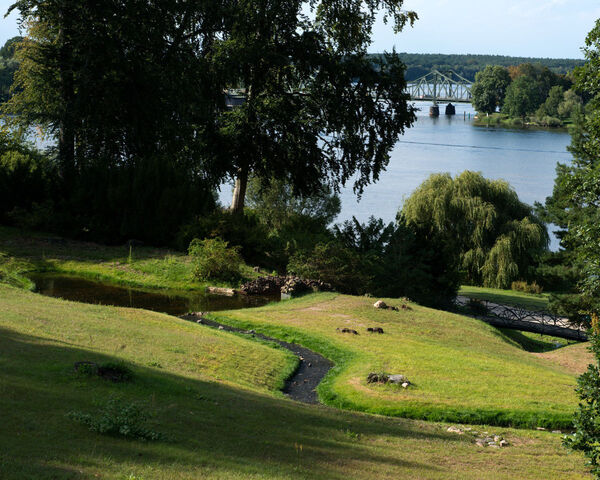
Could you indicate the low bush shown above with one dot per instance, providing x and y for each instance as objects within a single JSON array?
[
  {"x": 214, "y": 259},
  {"x": 522, "y": 286},
  {"x": 119, "y": 418},
  {"x": 341, "y": 267}
]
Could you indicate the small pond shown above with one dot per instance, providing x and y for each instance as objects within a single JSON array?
[{"x": 170, "y": 302}]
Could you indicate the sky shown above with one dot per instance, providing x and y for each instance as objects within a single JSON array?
[{"x": 524, "y": 28}]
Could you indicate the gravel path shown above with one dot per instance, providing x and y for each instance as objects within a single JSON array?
[{"x": 311, "y": 369}]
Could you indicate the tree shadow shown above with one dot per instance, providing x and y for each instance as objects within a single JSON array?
[{"x": 209, "y": 425}]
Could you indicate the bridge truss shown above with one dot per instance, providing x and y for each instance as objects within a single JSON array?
[{"x": 437, "y": 86}]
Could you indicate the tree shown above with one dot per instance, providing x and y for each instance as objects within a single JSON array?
[
  {"x": 131, "y": 105},
  {"x": 275, "y": 204},
  {"x": 489, "y": 88},
  {"x": 494, "y": 237},
  {"x": 522, "y": 97},
  {"x": 550, "y": 106},
  {"x": 317, "y": 109},
  {"x": 571, "y": 105},
  {"x": 579, "y": 185}
]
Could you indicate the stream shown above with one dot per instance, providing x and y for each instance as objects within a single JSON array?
[{"x": 301, "y": 386}]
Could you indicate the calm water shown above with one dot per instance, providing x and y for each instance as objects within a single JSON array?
[
  {"x": 525, "y": 158},
  {"x": 178, "y": 303}
]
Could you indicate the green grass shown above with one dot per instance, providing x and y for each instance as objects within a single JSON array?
[
  {"x": 142, "y": 267},
  {"x": 463, "y": 369},
  {"x": 213, "y": 395},
  {"x": 530, "y": 301}
]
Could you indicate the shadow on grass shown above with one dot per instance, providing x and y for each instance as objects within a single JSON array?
[
  {"x": 212, "y": 427},
  {"x": 536, "y": 344}
]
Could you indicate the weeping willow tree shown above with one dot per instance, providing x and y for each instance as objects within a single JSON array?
[{"x": 496, "y": 237}]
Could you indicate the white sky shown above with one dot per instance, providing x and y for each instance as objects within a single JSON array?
[{"x": 528, "y": 28}]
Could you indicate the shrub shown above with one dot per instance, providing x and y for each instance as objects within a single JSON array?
[
  {"x": 522, "y": 286},
  {"x": 118, "y": 418},
  {"x": 335, "y": 264},
  {"x": 214, "y": 259}
]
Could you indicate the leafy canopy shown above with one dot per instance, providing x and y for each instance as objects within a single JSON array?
[{"x": 494, "y": 236}]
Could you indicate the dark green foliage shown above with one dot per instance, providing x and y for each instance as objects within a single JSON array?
[
  {"x": 276, "y": 205},
  {"x": 577, "y": 193},
  {"x": 8, "y": 67},
  {"x": 317, "y": 109},
  {"x": 27, "y": 179},
  {"x": 554, "y": 99},
  {"x": 214, "y": 259},
  {"x": 119, "y": 418},
  {"x": 128, "y": 103},
  {"x": 244, "y": 231},
  {"x": 388, "y": 260},
  {"x": 489, "y": 88},
  {"x": 419, "y": 64},
  {"x": 557, "y": 273},
  {"x": 487, "y": 231},
  {"x": 572, "y": 306},
  {"x": 522, "y": 97},
  {"x": 586, "y": 421},
  {"x": 343, "y": 268}
]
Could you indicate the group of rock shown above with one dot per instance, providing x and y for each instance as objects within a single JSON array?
[
  {"x": 482, "y": 439},
  {"x": 384, "y": 306},
  {"x": 354, "y": 332},
  {"x": 385, "y": 378},
  {"x": 291, "y": 285}
]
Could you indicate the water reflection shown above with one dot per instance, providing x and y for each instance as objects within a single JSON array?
[{"x": 173, "y": 303}]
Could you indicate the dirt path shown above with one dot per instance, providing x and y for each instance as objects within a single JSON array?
[{"x": 311, "y": 369}]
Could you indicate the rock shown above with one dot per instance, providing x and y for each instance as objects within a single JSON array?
[
  {"x": 375, "y": 330},
  {"x": 405, "y": 385},
  {"x": 377, "y": 378},
  {"x": 454, "y": 430},
  {"x": 497, "y": 438},
  {"x": 400, "y": 379},
  {"x": 228, "y": 292},
  {"x": 556, "y": 431},
  {"x": 503, "y": 443},
  {"x": 540, "y": 428},
  {"x": 479, "y": 442},
  {"x": 290, "y": 285},
  {"x": 199, "y": 321},
  {"x": 221, "y": 327},
  {"x": 256, "y": 269},
  {"x": 346, "y": 330},
  {"x": 380, "y": 304}
]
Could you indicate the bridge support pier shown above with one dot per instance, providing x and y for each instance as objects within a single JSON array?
[
  {"x": 450, "y": 109},
  {"x": 434, "y": 111}
]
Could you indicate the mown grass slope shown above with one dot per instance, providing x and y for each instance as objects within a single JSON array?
[
  {"x": 463, "y": 369},
  {"x": 211, "y": 394}
]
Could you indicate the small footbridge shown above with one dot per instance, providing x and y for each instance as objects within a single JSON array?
[{"x": 440, "y": 87}]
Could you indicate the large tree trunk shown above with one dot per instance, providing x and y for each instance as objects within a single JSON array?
[{"x": 239, "y": 192}]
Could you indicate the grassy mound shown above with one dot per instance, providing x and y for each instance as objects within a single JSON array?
[
  {"x": 463, "y": 369},
  {"x": 211, "y": 395}
]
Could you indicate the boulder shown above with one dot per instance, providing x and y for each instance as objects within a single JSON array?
[
  {"x": 400, "y": 379},
  {"x": 380, "y": 304},
  {"x": 377, "y": 378}
]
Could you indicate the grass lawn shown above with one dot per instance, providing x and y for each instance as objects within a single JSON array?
[
  {"x": 214, "y": 397},
  {"x": 463, "y": 369},
  {"x": 530, "y": 301},
  {"x": 144, "y": 267}
]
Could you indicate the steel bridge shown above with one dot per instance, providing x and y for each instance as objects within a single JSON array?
[{"x": 440, "y": 87}]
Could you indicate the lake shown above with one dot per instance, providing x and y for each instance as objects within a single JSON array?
[{"x": 526, "y": 158}]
